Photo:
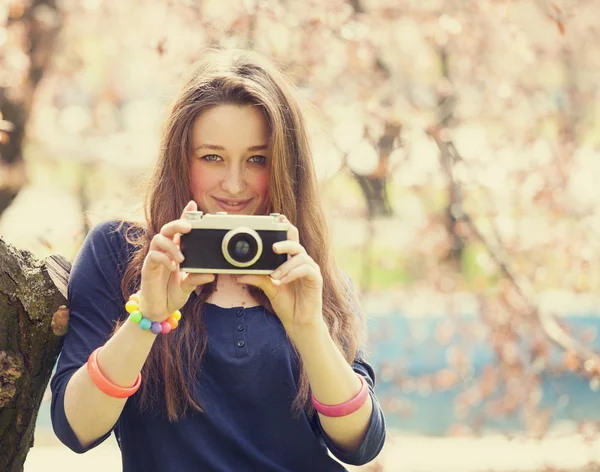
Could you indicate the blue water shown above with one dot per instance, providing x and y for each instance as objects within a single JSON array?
[{"x": 403, "y": 348}]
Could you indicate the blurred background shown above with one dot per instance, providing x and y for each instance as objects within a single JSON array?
[{"x": 457, "y": 145}]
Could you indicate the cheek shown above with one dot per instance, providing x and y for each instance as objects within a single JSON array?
[
  {"x": 201, "y": 181},
  {"x": 261, "y": 185}
]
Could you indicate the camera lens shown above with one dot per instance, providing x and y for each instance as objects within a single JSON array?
[{"x": 242, "y": 247}]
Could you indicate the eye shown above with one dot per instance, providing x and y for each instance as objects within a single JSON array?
[
  {"x": 261, "y": 159},
  {"x": 210, "y": 157}
]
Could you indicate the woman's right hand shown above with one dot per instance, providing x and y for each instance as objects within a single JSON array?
[{"x": 164, "y": 288}]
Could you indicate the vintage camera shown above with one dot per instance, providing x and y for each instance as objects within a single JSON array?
[{"x": 232, "y": 244}]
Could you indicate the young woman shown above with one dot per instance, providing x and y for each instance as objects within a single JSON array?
[{"x": 262, "y": 373}]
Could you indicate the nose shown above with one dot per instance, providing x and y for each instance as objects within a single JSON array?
[{"x": 233, "y": 182}]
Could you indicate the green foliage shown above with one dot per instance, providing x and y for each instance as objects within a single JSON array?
[
  {"x": 476, "y": 275},
  {"x": 387, "y": 270}
]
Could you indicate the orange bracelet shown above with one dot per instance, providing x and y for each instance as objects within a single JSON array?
[{"x": 106, "y": 385}]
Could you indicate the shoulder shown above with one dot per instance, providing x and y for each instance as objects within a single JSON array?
[
  {"x": 114, "y": 231},
  {"x": 103, "y": 257},
  {"x": 110, "y": 242},
  {"x": 116, "y": 234}
]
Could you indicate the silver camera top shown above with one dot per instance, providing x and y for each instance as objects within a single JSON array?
[{"x": 222, "y": 220}]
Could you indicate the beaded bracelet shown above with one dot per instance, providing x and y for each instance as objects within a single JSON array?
[{"x": 132, "y": 307}]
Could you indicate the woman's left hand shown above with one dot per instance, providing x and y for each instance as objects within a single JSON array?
[{"x": 295, "y": 289}]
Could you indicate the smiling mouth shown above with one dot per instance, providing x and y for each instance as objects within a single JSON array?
[{"x": 232, "y": 204}]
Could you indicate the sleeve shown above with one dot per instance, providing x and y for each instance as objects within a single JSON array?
[
  {"x": 375, "y": 438},
  {"x": 376, "y": 433},
  {"x": 95, "y": 303}
]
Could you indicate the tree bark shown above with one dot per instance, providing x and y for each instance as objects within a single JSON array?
[{"x": 33, "y": 319}]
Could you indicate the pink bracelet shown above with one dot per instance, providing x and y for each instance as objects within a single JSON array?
[{"x": 344, "y": 409}]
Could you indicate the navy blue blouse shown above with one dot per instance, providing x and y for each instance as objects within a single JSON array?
[{"x": 248, "y": 380}]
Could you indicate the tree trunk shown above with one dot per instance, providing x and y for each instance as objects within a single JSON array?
[
  {"x": 454, "y": 207},
  {"x": 374, "y": 186},
  {"x": 33, "y": 319},
  {"x": 41, "y": 22},
  {"x": 375, "y": 192}
]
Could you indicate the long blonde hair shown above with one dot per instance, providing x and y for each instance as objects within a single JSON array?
[{"x": 240, "y": 78}]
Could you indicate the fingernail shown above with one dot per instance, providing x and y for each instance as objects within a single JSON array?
[{"x": 276, "y": 274}]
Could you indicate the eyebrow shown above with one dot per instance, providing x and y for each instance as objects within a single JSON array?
[{"x": 214, "y": 147}]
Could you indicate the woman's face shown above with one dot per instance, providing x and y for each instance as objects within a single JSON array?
[{"x": 228, "y": 168}]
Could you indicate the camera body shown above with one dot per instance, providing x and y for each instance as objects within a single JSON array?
[{"x": 232, "y": 244}]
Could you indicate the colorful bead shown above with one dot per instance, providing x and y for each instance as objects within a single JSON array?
[
  {"x": 131, "y": 306},
  {"x": 156, "y": 327},
  {"x": 173, "y": 322},
  {"x": 166, "y": 327},
  {"x": 145, "y": 324}
]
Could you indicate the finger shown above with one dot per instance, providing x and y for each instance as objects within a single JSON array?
[
  {"x": 191, "y": 206},
  {"x": 289, "y": 247},
  {"x": 292, "y": 233},
  {"x": 264, "y": 282},
  {"x": 156, "y": 259},
  {"x": 187, "y": 227},
  {"x": 190, "y": 281},
  {"x": 180, "y": 226},
  {"x": 294, "y": 262},
  {"x": 171, "y": 228},
  {"x": 304, "y": 271},
  {"x": 162, "y": 243}
]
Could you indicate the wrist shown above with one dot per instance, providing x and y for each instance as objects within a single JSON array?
[
  {"x": 147, "y": 323},
  {"x": 308, "y": 334},
  {"x": 134, "y": 328},
  {"x": 146, "y": 312}
]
